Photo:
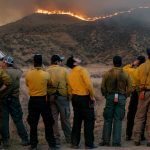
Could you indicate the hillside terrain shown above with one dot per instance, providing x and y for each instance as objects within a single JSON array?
[
  {"x": 95, "y": 42},
  {"x": 127, "y": 35}
]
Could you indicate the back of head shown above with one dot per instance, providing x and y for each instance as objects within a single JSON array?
[
  {"x": 37, "y": 60},
  {"x": 56, "y": 58},
  {"x": 148, "y": 52},
  {"x": 117, "y": 61},
  {"x": 8, "y": 60},
  {"x": 70, "y": 62},
  {"x": 141, "y": 59}
]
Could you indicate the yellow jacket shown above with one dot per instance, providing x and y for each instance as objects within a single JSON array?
[
  {"x": 4, "y": 80},
  {"x": 143, "y": 75},
  {"x": 37, "y": 80},
  {"x": 59, "y": 80},
  {"x": 132, "y": 73},
  {"x": 80, "y": 82}
]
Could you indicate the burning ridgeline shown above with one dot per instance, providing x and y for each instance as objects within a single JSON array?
[{"x": 62, "y": 12}]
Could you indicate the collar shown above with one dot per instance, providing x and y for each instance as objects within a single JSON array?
[
  {"x": 38, "y": 68},
  {"x": 76, "y": 67}
]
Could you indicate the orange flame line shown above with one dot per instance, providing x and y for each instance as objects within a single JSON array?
[{"x": 69, "y": 13}]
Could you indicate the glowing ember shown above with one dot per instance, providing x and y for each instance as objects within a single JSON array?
[{"x": 69, "y": 13}]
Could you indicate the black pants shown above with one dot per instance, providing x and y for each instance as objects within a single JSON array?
[
  {"x": 131, "y": 114},
  {"x": 38, "y": 106},
  {"x": 12, "y": 106},
  {"x": 82, "y": 111}
]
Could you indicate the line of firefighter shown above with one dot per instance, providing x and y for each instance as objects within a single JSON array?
[{"x": 50, "y": 91}]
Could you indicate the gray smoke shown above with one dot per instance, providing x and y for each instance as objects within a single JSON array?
[{"x": 11, "y": 10}]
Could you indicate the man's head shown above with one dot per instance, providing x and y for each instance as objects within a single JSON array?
[
  {"x": 37, "y": 60},
  {"x": 148, "y": 52},
  {"x": 141, "y": 59},
  {"x": 8, "y": 61},
  {"x": 117, "y": 61},
  {"x": 56, "y": 59},
  {"x": 72, "y": 62}
]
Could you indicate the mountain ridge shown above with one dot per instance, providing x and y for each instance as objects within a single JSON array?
[{"x": 94, "y": 42}]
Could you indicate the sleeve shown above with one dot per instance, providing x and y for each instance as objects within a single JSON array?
[
  {"x": 136, "y": 78},
  {"x": 49, "y": 79},
  {"x": 68, "y": 86},
  {"x": 6, "y": 80},
  {"x": 88, "y": 82},
  {"x": 20, "y": 73},
  {"x": 103, "y": 84},
  {"x": 26, "y": 79},
  {"x": 128, "y": 86},
  {"x": 67, "y": 82},
  {"x": 126, "y": 67}
]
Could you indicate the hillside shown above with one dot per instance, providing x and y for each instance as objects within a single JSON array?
[{"x": 94, "y": 42}]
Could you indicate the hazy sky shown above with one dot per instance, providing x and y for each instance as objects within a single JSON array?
[{"x": 11, "y": 10}]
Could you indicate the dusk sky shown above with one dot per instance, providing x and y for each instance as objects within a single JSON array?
[{"x": 11, "y": 10}]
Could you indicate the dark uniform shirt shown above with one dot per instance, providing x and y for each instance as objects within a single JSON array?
[
  {"x": 116, "y": 81},
  {"x": 15, "y": 75}
]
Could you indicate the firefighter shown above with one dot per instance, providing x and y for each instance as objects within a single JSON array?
[
  {"x": 11, "y": 104},
  {"x": 116, "y": 87},
  {"x": 132, "y": 108},
  {"x": 81, "y": 89},
  {"x": 5, "y": 83},
  {"x": 58, "y": 97},
  {"x": 37, "y": 80},
  {"x": 143, "y": 110}
]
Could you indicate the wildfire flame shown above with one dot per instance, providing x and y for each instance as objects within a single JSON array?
[{"x": 69, "y": 13}]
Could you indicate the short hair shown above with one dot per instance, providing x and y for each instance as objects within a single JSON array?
[
  {"x": 141, "y": 59},
  {"x": 117, "y": 61},
  {"x": 37, "y": 60},
  {"x": 70, "y": 62},
  {"x": 148, "y": 52},
  {"x": 55, "y": 58}
]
